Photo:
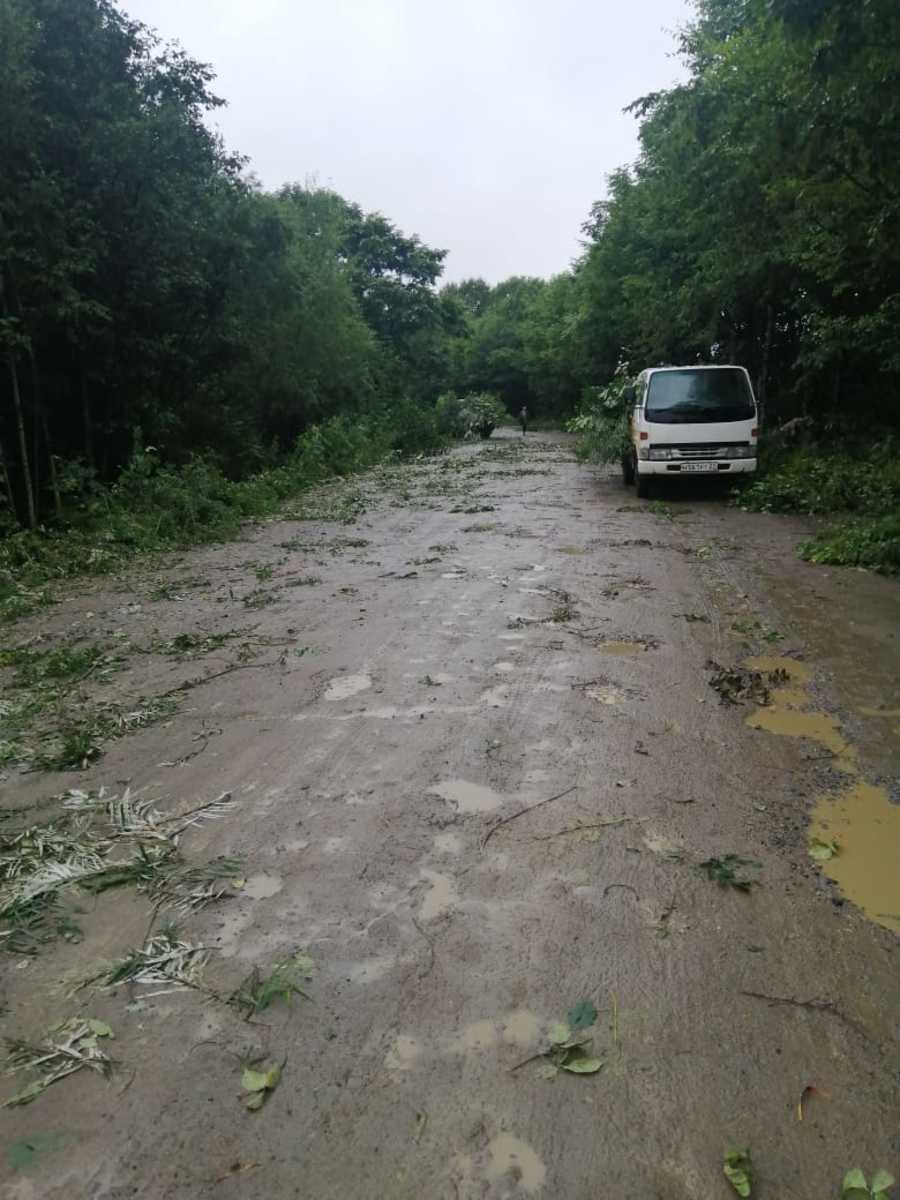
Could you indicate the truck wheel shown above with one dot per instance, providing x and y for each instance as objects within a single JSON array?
[{"x": 644, "y": 485}]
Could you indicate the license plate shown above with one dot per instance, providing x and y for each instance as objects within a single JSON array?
[{"x": 700, "y": 466}]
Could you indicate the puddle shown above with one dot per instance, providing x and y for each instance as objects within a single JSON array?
[
  {"x": 440, "y": 897},
  {"x": 861, "y": 819},
  {"x": 866, "y": 827},
  {"x": 622, "y": 648},
  {"x": 261, "y": 887},
  {"x": 468, "y": 797},
  {"x": 345, "y": 686},
  {"x": 402, "y": 1054},
  {"x": 797, "y": 672},
  {"x": 572, "y": 550},
  {"x": 513, "y": 1159},
  {"x": 788, "y": 713}
]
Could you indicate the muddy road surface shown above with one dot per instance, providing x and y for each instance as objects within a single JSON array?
[{"x": 474, "y": 781}]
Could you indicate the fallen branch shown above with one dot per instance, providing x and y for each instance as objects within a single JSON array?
[
  {"x": 610, "y": 823},
  {"x": 506, "y": 820},
  {"x": 815, "y": 1005},
  {"x": 201, "y": 679}
]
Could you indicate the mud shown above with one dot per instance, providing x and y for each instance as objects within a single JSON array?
[{"x": 397, "y": 721}]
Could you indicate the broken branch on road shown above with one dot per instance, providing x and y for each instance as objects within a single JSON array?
[{"x": 522, "y": 811}]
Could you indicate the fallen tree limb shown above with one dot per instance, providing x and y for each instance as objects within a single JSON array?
[{"x": 522, "y": 811}]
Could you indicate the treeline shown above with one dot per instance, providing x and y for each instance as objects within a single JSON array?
[
  {"x": 150, "y": 295},
  {"x": 760, "y": 224}
]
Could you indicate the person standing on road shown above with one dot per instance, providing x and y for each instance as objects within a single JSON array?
[{"x": 523, "y": 419}]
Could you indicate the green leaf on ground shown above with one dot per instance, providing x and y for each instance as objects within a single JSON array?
[
  {"x": 737, "y": 1170},
  {"x": 822, "y": 849},
  {"x": 854, "y": 1186},
  {"x": 100, "y": 1028},
  {"x": 582, "y": 1066},
  {"x": 559, "y": 1033},
  {"x": 259, "y": 1084},
  {"x": 582, "y": 1015}
]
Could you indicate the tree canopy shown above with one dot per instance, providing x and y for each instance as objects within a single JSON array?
[{"x": 152, "y": 293}]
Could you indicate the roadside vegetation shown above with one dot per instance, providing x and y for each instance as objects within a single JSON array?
[
  {"x": 859, "y": 490},
  {"x": 183, "y": 350}
]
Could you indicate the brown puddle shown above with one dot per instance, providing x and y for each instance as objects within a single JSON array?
[
  {"x": 860, "y": 820},
  {"x": 787, "y": 713},
  {"x": 866, "y": 827}
]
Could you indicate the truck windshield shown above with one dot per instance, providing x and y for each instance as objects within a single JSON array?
[{"x": 688, "y": 397}]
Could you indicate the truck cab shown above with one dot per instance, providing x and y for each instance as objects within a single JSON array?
[{"x": 690, "y": 421}]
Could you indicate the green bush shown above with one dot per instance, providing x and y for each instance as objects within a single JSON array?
[
  {"x": 603, "y": 424},
  {"x": 450, "y": 414},
  {"x": 482, "y": 413}
]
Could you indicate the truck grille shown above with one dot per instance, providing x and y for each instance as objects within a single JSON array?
[{"x": 695, "y": 450}]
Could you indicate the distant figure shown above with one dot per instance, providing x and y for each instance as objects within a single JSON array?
[{"x": 523, "y": 419}]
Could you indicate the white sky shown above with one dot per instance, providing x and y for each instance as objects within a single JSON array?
[{"x": 485, "y": 126}]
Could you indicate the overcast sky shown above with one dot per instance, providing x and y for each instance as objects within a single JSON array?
[{"x": 485, "y": 126}]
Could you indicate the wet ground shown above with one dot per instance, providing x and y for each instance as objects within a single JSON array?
[{"x": 476, "y": 765}]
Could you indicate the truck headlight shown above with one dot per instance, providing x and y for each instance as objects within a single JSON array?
[
  {"x": 738, "y": 452},
  {"x": 663, "y": 452}
]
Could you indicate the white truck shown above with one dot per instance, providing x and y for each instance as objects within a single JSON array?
[{"x": 690, "y": 421}]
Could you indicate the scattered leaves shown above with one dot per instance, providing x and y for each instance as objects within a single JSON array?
[
  {"x": 737, "y": 685},
  {"x": 723, "y": 871},
  {"x": 567, "y": 1050},
  {"x": 855, "y": 1187},
  {"x": 68, "y": 1046},
  {"x": 286, "y": 979}
]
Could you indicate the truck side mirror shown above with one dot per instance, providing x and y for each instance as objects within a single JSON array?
[{"x": 629, "y": 394}]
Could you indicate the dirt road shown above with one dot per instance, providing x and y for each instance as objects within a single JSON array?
[{"x": 476, "y": 762}]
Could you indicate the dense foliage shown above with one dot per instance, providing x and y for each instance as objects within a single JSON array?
[{"x": 151, "y": 295}]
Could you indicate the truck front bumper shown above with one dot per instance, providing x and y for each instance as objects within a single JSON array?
[{"x": 694, "y": 469}]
